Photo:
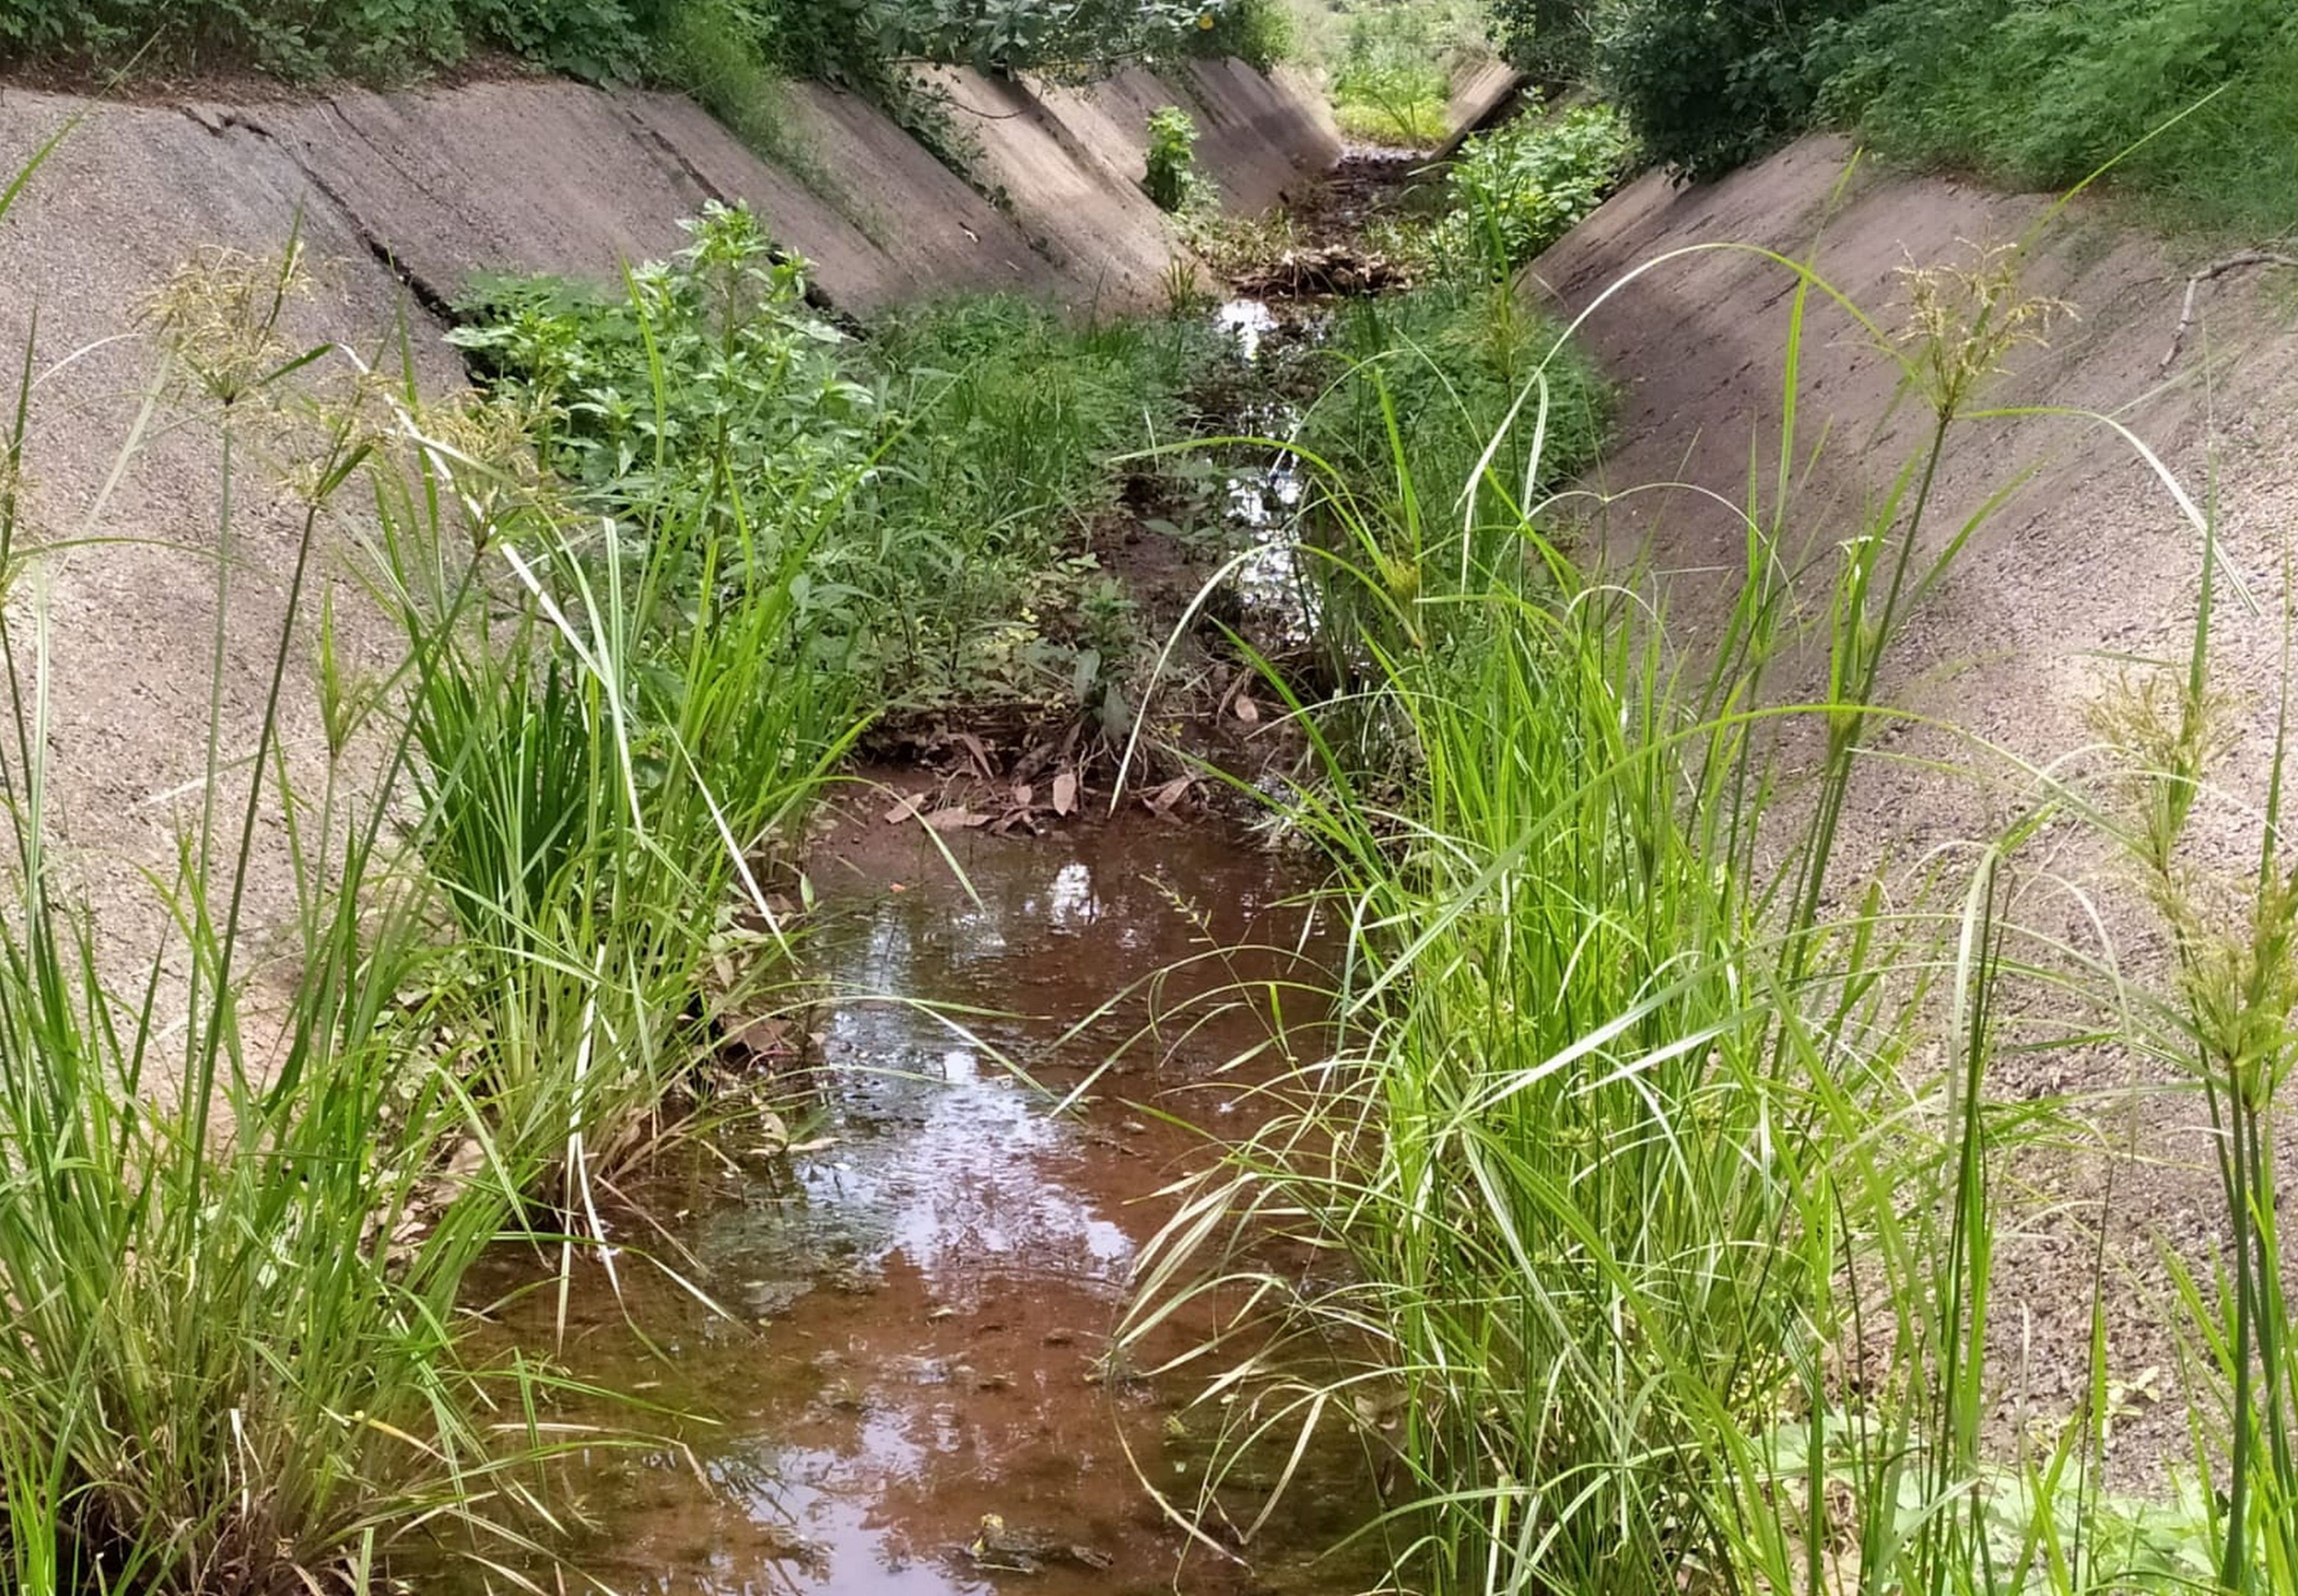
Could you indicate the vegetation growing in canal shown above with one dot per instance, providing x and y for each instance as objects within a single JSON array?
[
  {"x": 1654, "y": 1168},
  {"x": 946, "y": 474},
  {"x": 1513, "y": 192},
  {"x": 1664, "y": 1262},
  {"x": 1388, "y": 66},
  {"x": 244, "y": 1194},
  {"x": 1172, "y": 178}
]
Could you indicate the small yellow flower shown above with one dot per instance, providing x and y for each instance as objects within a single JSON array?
[{"x": 1205, "y": 21}]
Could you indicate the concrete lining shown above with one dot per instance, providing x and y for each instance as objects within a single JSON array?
[
  {"x": 400, "y": 200},
  {"x": 1088, "y": 214},
  {"x": 1479, "y": 97}
]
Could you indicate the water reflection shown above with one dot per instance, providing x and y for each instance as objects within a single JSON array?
[{"x": 926, "y": 1298}]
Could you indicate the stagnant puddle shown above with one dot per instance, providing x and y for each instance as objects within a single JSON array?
[{"x": 920, "y": 1307}]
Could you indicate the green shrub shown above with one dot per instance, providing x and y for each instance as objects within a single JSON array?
[
  {"x": 1553, "y": 40},
  {"x": 386, "y": 39},
  {"x": 1259, "y": 32},
  {"x": 1710, "y": 84},
  {"x": 944, "y": 472},
  {"x": 1171, "y": 181},
  {"x": 2040, "y": 94},
  {"x": 1064, "y": 38},
  {"x": 1389, "y": 84},
  {"x": 1513, "y": 192},
  {"x": 751, "y": 381},
  {"x": 863, "y": 43},
  {"x": 2045, "y": 95}
]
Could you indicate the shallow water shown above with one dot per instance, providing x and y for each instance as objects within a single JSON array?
[{"x": 922, "y": 1305}]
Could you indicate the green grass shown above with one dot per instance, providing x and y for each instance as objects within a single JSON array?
[
  {"x": 1388, "y": 66},
  {"x": 1451, "y": 412},
  {"x": 1648, "y": 1181},
  {"x": 2198, "y": 98},
  {"x": 980, "y": 524},
  {"x": 230, "y": 1339},
  {"x": 236, "y": 1221},
  {"x": 1513, "y": 192}
]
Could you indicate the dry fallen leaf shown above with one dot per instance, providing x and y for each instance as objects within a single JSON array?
[
  {"x": 973, "y": 746},
  {"x": 1247, "y": 710},
  {"x": 955, "y": 819},
  {"x": 1065, "y": 792},
  {"x": 906, "y": 809},
  {"x": 1162, "y": 799},
  {"x": 1022, "y": 795}
]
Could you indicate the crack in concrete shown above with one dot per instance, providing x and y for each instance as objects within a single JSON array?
[
  {"x": 222, "y": 121},
  {"x": 661, "y": 143}
]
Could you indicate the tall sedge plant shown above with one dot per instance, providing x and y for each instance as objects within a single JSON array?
[
  {"x": 2223, "y": 1018},
  {"x": 230, "y": 1324},
  {"x": 233, "y": 1237},
  {"x": 620, "y": 716},
  {"x": 1657, "y": 1262}
]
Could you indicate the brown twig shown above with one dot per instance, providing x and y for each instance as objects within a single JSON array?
[{"x": 2217, "y": 268}]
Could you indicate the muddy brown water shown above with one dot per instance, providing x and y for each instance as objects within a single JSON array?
[{"x": 918, "y": 1310}]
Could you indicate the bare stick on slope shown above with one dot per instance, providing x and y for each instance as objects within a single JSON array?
[{"x": 2217, "y": 268}]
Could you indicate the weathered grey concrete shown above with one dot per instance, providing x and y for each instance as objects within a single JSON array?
[
  {"x": 866, "y": 275},
  {"x": 1245, "y": 117},
  {"x": 927, "y": 218},
  {"x": 400, "y": 200},
  {"x": 541, "y": 175},
  {"x": 130, "y": 513},
  {"x": 1481, "y": 93},
  {"x": 1254, "y": 161},
  {"x": 1087, "y": 213}
]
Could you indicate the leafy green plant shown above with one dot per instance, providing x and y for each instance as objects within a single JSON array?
[
  {"x": 711, "y": 365},
  {"x": 1391, "y": 103},
  {"x": 946, "y": 471},
  {"x": 1511, "y": 193},
  {"x": 1260, "y": 33},
  {"x": 1554, "y": 41},
  {"x": 1171, "y": 180},
  {"x": 234, "y": 1219},
  {"x": 1709, "y": 86}
]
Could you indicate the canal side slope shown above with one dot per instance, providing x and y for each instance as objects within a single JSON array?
[
  {"x": 399, "y": 201},
  {"x": 2082, "y": 568}
]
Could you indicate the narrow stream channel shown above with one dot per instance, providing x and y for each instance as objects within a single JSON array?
[{"x": 920, "y": 1304}]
